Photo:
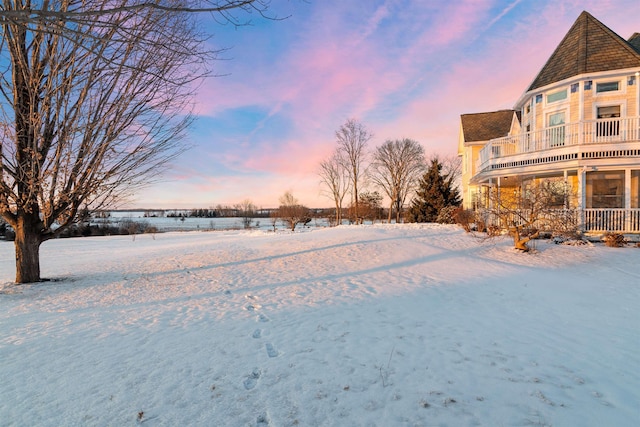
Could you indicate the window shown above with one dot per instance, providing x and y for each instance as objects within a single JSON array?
[
  {"x": 607, "y": 87},
  {"x": 608, "y": 121},
  {"x": 555, "y": 132},
  {"x": 605, "y": 189},
  {"x": 557, "y": 96},
  {"x": 574, "y": 87}
]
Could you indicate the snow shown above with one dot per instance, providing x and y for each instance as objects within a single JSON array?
[{"x": 385, "y": 325}]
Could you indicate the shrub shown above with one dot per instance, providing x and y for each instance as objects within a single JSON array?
[
  {"x": 151, "y": 229},
  {"x": 614, "y": 240},
  {"x": 447, "y": 215},
  {"x": 465, "y": 218},
  {"x": 493, "y": 231}
]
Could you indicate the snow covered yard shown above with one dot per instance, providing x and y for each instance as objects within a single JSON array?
[{"x": 352, "y": 326}]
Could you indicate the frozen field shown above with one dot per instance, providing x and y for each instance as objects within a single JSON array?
[
  {"x": 198, "y": 224},
  {"x": 408, "y": 325}
]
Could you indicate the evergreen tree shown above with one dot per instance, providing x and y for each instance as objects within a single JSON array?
[{"x": 435, "y": 192}]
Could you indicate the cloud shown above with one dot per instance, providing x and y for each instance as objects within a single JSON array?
[
  {"x": 403, "y": 68},
  {"x": 502, "y": 14}
]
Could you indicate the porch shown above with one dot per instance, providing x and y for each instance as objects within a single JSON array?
[{"x": 588, "y": 221}]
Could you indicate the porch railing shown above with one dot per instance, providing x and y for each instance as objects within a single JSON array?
[
  {"x": 586, "y": 220},
  {"x": 599, "y": 131},
  {"x": 613, "y": 220}
]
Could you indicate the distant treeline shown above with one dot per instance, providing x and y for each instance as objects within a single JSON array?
[{"x": 217, "y": 212}]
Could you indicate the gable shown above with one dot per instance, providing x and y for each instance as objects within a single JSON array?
[
  {"x": 588, "y": 47},
  {"x": 485, "y": 126}
]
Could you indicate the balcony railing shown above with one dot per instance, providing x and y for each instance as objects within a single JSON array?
[{"x": 601, "y": 131}]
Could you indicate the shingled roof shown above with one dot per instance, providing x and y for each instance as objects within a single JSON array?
[
  {"x": 589, "y": 47},
  {"x": 485, "y": 126},
  {"x": 634, "y": 41}
]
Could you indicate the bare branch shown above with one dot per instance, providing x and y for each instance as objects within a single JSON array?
[
  {"x": 352, "y": 139},
  {"x": 397, "y": 167},
  {"x": 96, "y": 98},
  {"x": 335, "y": 178}
]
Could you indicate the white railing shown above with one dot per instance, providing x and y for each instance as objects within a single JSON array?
[
  {"x": 587, "y": 132},
  {"x": 619, "y": 220},
  {"x": 587, "y": 220}
]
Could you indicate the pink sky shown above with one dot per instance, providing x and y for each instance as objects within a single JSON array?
[{"x": 401, "y": 68}]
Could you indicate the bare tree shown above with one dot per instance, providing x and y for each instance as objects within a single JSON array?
[
  {"x": 274, "y": 216},
  {"x": 397, "y": 166},
  {"x": 247, "y": 210},
  {"x": 526, "y": 208},
  {"x": 335, "y": 178},
  {"x": 292, "y": 212},
  {"x": 59, "y": 13},
  {"x": 352, "y": 138},
  {"x": 96, "y": 96}
]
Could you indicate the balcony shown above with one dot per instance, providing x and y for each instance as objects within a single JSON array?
[{"x": 560, "y": 143}]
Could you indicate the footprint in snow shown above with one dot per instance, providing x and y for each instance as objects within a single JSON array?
[
  {"x": 262, "y": 318},
  {"x": 253, "y": 307},
  {"x": 262, "y": 421},
  {"x": 252, "y": 380},
  {"x": 600, "y": 397},
  {"x": 257, "y": 333},
  {"x": 271, "y": 350}
]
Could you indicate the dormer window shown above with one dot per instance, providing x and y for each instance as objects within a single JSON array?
[
  {"x": 607, "y": 87},
  {"x": 557, "y": 96}
]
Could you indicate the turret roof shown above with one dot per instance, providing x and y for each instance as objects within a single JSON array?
[{"x": 588, "y": 47}]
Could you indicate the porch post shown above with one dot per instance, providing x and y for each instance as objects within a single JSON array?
[
  {"x": 627, "y": 199},
  {"x": 582, "y": 198},
  {"x": 565, "y": 191}
]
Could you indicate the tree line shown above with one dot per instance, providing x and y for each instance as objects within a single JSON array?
[{"x": 397, "y": 168}]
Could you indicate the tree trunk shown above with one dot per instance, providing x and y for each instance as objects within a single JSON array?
[
  {"x": 521, "y": 243},
  {"x": 398, "y": 210},
  {"x": 27, "y": 243},
  {"x": 355, "y": 195}
]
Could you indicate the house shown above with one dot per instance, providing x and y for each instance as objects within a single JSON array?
[{"x": 578, "y": 124}]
